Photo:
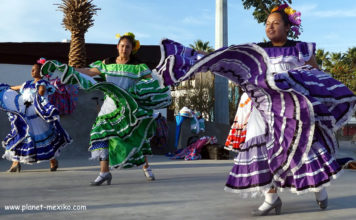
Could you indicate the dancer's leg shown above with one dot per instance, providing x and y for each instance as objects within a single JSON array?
[
  {"x": 146, "y": 165},
  {"x": 15, "y": 167},
  {"x": 322, "y": 198},
  {"x": 104, "y": 166},
  {"x": 53, "y": 164},
  {"x": 148, "y": 171}
]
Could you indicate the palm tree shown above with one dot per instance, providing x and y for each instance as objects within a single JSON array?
[
  {"x": 342, "y": 66},
  {"x": 204, "y": 47},
  {"x": 350, "y": 57},
  {"x": 199, "y": 45},
  {"x": 78, "y": 18},
  {"x": 322, "y": 58}
]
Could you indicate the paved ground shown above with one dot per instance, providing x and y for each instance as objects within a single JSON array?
[{"x": 183, "y": 190}]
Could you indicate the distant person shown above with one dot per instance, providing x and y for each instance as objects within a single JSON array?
[
  {"x": 120, "y": 136},
  {"x": 36, "y": 134},
  {"x": 64, "y": 98}
]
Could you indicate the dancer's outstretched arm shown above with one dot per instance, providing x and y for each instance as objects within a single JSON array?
[
  {"x": 149, "y": 76},
  {"x": 312, "y": 62},
  {"x": 88, "y": 71},
  {"x": 16, "y": 88}
]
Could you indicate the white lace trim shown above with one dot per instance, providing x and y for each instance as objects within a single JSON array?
[
  {"x": 97, "y": 154},
  {"x": 10, "y": 155},
  {"x": 261, "y": 190},
  {"x": 254, "y": 192}
]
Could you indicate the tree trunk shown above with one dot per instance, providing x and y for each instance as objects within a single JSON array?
[{"x": 77, "y": 52}]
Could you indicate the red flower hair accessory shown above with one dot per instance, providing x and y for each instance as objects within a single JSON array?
[{"x": 41, "y": 61}]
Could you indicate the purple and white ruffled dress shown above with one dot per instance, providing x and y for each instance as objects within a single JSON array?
[{"x": 299, "y": 107}]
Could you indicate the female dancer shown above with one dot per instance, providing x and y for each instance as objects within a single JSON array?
[
  {"x": 317, "y": 165},
  {"x": 291, "y": 108},
  {"x": 36, "y": 134},
  {"x": 120, "y": 136}
]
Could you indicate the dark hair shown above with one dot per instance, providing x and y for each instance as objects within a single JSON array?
[
  {"x": 268, "y": 44},
  {"x": 284, "y": 17},
  {"x": 129, "y": 38}
]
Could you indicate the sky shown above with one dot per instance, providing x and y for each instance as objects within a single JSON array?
[{"x": 330, "y": 24}]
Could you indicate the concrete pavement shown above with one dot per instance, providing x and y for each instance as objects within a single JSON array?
[{"x": 183, "y": 190}]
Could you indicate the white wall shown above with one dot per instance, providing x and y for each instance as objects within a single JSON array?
[{"x": 14, "y": 74}]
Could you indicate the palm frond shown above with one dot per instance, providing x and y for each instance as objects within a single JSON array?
[{"x": 78, "y": 14}]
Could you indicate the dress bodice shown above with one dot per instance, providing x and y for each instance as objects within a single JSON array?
[
  {"x": 121, "y": 81},
  {"x": 289, "y": 56},
  {"x": 29, "y": 89},
  {"x": 122, "y": 75}
]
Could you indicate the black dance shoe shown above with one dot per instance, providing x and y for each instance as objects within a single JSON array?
[{"x": 323, "y": 204}]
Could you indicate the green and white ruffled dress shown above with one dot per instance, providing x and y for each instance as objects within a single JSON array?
[{"x": 125, "y": 122}]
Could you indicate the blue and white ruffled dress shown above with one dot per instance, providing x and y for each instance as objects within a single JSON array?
[{"x": 36, "y": 133}]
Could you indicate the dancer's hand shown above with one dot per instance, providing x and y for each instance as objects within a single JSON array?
[
  {"x": 16, "y": 88},
  {"x": 202, "y": 52}
]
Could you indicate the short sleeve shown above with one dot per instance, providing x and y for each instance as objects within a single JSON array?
[
  {"x": 49, "y": 88},
  {"x": 306, "y": 50}
]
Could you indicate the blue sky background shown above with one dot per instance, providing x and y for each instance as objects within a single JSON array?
[{"x": 329, "y": 23}]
